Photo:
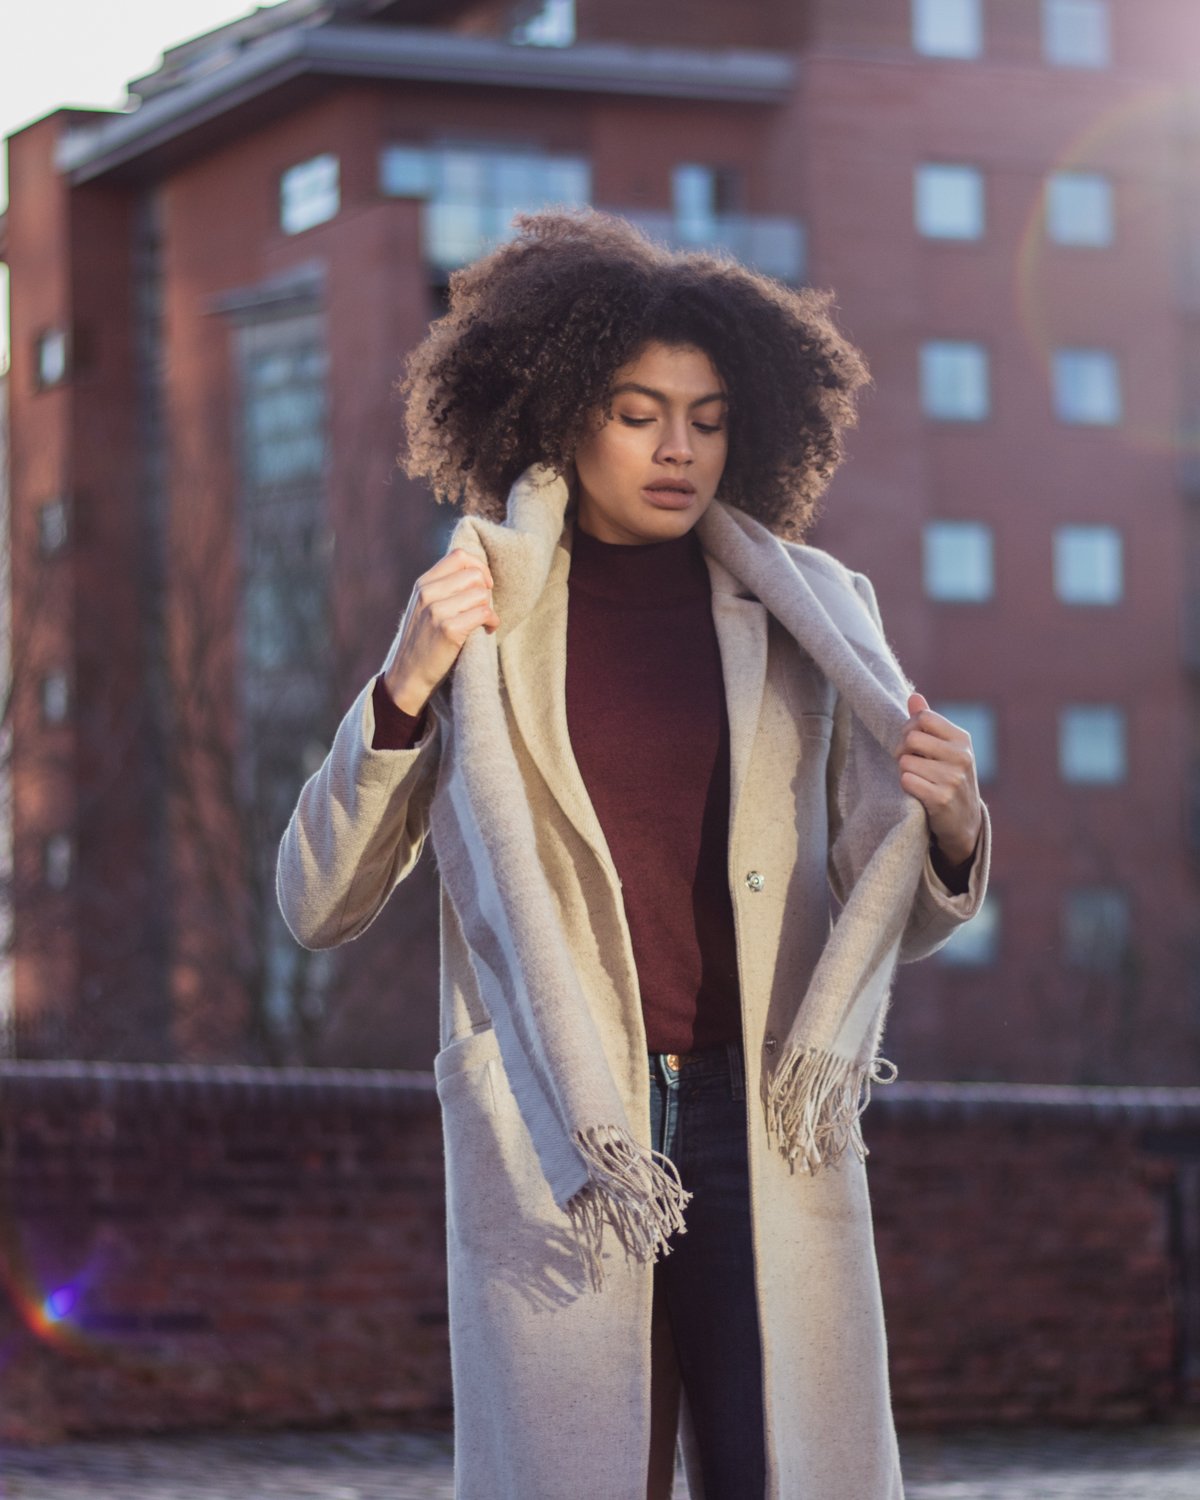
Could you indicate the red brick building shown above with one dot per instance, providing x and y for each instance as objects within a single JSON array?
[{"x": 213, "y": 293}]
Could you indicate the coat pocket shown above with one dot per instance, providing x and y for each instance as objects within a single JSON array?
[{"x": 468, "y": 1062}]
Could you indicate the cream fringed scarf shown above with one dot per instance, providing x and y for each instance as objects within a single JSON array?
[{"x": 487, "y": 854}]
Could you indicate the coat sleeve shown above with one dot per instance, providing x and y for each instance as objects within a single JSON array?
[
  {"x": 936, "y": 912},
  {"x": 357, "y": 829}
]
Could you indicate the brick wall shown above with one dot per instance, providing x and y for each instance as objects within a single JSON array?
[{"x": 197, "y": 1247}]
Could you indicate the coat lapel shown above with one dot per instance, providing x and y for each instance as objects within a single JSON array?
[
  {"x": 742, "y": 637},
  {"x": 533, "y": 661}
]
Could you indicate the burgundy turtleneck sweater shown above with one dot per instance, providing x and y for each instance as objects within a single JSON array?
[
  {"x": 649, "y": 730},
  {"x": 646, "y": 715}
]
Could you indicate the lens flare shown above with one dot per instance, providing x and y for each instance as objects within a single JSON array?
[{"x": 1140, "y": 142}]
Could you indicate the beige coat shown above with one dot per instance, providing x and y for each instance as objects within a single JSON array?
[{"x": 551, "y": 1379}]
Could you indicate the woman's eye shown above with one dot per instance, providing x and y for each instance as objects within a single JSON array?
[
  {"x": 708, "y": 427},
  {"x": 636, "y": 421}
]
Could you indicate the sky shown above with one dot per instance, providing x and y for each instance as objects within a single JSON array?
[{"x": 56, "y": 52}]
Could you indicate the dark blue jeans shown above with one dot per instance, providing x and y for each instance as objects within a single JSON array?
[{"x": 698, "y": 1119}]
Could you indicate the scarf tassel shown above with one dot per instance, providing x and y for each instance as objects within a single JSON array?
[
  {"x": 635, "y": 1191},
  {"x": 813, "y": 1103}
]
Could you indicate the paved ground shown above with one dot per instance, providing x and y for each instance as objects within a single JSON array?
[{"x": 1146, "y": 1464}]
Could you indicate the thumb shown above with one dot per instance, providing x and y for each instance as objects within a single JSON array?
[{"x": 916, "y": 703}]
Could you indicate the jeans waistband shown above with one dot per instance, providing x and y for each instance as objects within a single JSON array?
[{"x": 727, "y": 1058}]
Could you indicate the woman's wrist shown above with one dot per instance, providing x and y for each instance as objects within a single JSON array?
[{"x": 408, "y": 696}]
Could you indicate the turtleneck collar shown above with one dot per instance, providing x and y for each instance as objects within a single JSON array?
[{"x": 639, "y": 574}]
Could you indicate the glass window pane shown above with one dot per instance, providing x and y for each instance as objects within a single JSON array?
[
  {"x": 948, "y": 28},
  {"x": 948, "y": 202},
  {"x": 694, "y": 201},
  {"x": 954, "y": 380},
  {"x": 462, "y": 177},
  {"x": 958, "y": 561},
  {"x": 979, "y": 720},
  {"x": 1091, "y": 744},
  {"x": 51, "y": 357},
  {"x": 552, "y": 26},
  {"x": 455, "y": 233},
  {"x": 1088, "y": 564},
  {"x": 977, "y": 942},
  {"x": 406, "y": 172},
  {"x": 52, "y": 526},
  {"x": 1075, "y": 33},
  {"x": 309, "y": 194},
  {"x": 1079, "y": 208},
  {"x": 1096, "y": 929},
  {"x": 567, "y": 182},
  {"x": 1087, "y": 387}
]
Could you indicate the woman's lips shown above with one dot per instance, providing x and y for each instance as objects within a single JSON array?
[{"x": 671, "y": 498}]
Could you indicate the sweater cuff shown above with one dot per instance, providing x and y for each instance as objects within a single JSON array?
[
  {"x": 394, "y": 729},
  {"x": 956, "y": 878}
]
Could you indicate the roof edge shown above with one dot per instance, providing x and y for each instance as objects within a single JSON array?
[{"x": 730, "y": 76}]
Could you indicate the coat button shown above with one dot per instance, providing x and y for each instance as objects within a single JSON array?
[
  {"x": 770, "y": 1042},
  {"x": 756, "y": 881}
]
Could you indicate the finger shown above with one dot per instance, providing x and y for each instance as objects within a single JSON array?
[
  {"x": 957, "y": 750},
  {"x": 916, "y": 703},
  {"x": 934, "y": 795},
  {"x": 930, "y": 722},
  {"x": 455, "y": 562},
  {"x": 462, "y": 587}
]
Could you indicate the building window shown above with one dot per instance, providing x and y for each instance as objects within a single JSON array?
[
  {"x": 958, "y": 561},
  {"x": 52, "y": 526},
  {"x": 56, "y": 698},
  {"x": 1076, "y": 33},
  {"x": 1079, "y": 209},
  {"x": 948, "y": 28},
  {"x": 701, "y": 197},
  {"x": 979, "y": 720},
  {"x": 1088, "y": 565},
  {"x": 50, "y": 358},
  {"x": 954, "y": 380},
  {"x": 57, "y": 858},
  {"x": 552, "y": 26},
  {"x": 1096, "y": 929},
  {"x": 948, "y": 201},
  {"x": 471, "y": 195},
  {"x": 975, "y": 944},
  {"x": 283, "y": 370},
  {"x": 1087, "y": 387},
  {"x": 285, "y": 414},
  {"x": 1091, "y": 745},
  {"x": 309, "y": 194}
]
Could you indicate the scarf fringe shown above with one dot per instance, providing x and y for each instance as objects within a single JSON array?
[
  {"x": 635, "y": 1191},
  {"x": 814, "y": 1100}
]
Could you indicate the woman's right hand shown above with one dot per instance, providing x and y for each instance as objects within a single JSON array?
[{"x": 448, "y": 602}]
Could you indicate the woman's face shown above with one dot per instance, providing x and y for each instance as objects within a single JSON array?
[{"x": 650, "y": 471}]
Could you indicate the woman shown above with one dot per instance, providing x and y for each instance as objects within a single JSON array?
[{"x": 667, "y": 736}]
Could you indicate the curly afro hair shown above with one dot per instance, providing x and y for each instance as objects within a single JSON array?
[{"x": 517, "y": 370}]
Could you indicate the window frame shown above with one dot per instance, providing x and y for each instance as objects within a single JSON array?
[
  {"x": 1062, "y": 406},
  {"x": 1076, "y": 598},
  {"x": 1119, "y": 718},
  {"x": 929, "y": 564},
  {"x": 1062, "y": 179},
  {"x": 923, "y": 173},
  {"x": 929, "y": 350},
  {"x": 289, "y": 222},
  {"x": 923, "y": 23},
  {"x": 1100, "y": 8}
]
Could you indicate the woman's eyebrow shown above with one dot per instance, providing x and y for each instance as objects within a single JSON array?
[{"x": 648, "y": 390}]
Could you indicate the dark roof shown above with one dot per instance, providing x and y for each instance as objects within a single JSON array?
[{"x": 289, "y": 63}]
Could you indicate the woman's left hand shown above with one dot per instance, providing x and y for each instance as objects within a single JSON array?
[{"x": 937, "y": 766}]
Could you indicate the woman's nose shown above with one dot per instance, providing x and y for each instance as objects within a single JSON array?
[{"x": 676, "y": 446}]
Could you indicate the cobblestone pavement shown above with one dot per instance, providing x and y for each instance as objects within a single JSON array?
[{"x": 1143, "y": 1464}]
